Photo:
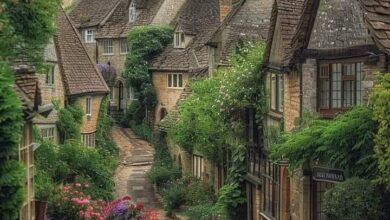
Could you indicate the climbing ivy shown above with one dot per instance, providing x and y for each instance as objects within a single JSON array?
[
  {"x": 145, "y": 43},
  {"x": 69, "y": 122},
  {"x": 211, "y": 120},
  {"x": 380, "y": 99}
]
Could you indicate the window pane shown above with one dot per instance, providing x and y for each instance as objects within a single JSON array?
[
  {"x": 280, "y": 92},
  {"x": 348, "y": 92},
  {"x": 359, "y": 78},
  {"x": 169, "y": 80},
  {"x": 175, "y": 80},
  {"x": 336, "y": 85},
  {"x": 180, "y": 80},
  {"x": 273, "y": 91}
]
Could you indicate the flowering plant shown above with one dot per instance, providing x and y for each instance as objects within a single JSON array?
[
  {"x": 72, "y": 203},
  {"x": 124, "y": 208}
]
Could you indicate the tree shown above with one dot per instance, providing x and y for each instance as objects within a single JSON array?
[
  {"x": 25, "y": 28},
  {"x": 380, "y": 99}
]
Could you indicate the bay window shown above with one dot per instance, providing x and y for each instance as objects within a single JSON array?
[{"x": 340, "y": 86}]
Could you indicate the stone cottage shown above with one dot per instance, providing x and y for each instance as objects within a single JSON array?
[
  {"x": 81, "y": 81},
  {"x": 321, "y": 57}
]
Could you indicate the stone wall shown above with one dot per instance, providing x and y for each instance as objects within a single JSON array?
[
  {"x": 291, "y": 100},
  {"x": 90, "y": 122},
  {"x": 309, "y": 85},
  {"x": 117, "y": 59},
  {"x": 167, "y": 97}
]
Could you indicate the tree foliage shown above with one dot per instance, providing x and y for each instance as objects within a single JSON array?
[
  {"x": 353, "y": 199},
  {"x": 381, "y": 106},
  {"x": 347, "y": 142},
  {"x": 145, "y": 43}
]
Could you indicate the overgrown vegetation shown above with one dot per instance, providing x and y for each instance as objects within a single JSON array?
[
  {"x": 353, "y": 199},
  {"x": 380, "y": 103},
  {"x": 211, "y": 120},
  {"x": 25, "y": 27},
  {"x": 145, "y": 43},
  {"x": 104, "y": 142},
  {"x": 347, "y": 142},
  {"x": 69, "y": 123}
]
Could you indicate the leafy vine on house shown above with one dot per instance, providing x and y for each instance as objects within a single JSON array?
[
  {"x": 211, "y": 121},
  {"x": 145, "y": 43}
]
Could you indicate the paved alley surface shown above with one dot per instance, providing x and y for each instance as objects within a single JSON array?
[{"x": 136, "y": 157}]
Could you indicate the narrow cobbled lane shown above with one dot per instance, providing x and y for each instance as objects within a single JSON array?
[{"x": 136, "y": 158}]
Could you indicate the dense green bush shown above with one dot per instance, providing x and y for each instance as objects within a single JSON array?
[
  {"x": 69, "y": 123},
  {"x": 199, "y": 192},
  {"x": 134, "y": 114},
  {"x": 347, "y": 142},
  {"x": 143, "y": 131},
  {"x": 380, "y": 103},
  {"x": 11, "y": 171},
  {"x": 160, "y": 174},
  {"x": 201, "y": 212},
  {"x": 44, "y": 185},
  {"x": 173, "y": 197},
  {"x": 353, "y": 199},
  {"x": 104, "y": 143}
]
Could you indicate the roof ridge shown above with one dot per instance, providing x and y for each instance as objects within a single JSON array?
[{"x": 110, "y": 13}]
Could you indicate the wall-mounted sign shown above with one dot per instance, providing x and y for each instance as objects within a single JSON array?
[{"x": 324, "y": 174}]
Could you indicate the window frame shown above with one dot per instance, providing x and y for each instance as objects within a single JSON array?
[
  {"x": 276, "y": 92},
  {"x": 88, "y": 139},
  {"x": 108, "y": 47},
  {"x": 124, "y": 42},
  {"x": 50, "y": 76},
  {"x": 48, "y": 132},
  {"x": 92, "y": 35},
  {"x": 197, "y": 166},
  {"x": 179, "y": 39},
  {"x": 88, "y": 106},
  {"x": 323, "y": 76},
  {"x": 171, "y": 84}
]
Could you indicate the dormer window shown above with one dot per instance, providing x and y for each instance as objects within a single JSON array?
[
  {"x": 89, "y": 36},
  {"x": 179, "y": 39},
  {"x": 132, "y": 13}
]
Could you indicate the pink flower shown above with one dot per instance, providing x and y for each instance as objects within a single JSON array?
[{"x": 77, "y": 184}]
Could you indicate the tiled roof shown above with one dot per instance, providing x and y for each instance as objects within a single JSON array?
[
  {"x": 27, "y": 86},
  {"x": 199, "y": 19},
  {"x": 79, "y": 73},
  {"x": 377, "y": 16},
  {"x": 117, "y": 25},
  {"x": 289, "y": 13},
  {"x": 89, "y": 13},
  {"x": 248, "y": 21}
]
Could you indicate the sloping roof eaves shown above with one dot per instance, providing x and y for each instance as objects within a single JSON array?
[
  {"x": 377, "y": 17},
  {"x": 79, "y": 72}
]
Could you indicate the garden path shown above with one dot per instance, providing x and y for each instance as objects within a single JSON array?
[{"x": 136, "y": 158}]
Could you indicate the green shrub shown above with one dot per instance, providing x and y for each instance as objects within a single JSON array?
[
  {"x": 44, "y": 185},
  {"x": 173, "y": 197},
  {"x": 69, "y": 123},
  {"x": 162, "y": 174},
  {"x": 201, "y": 212},
  {"x": 143, "y": 131},
  {"x": 90, "y": 165},
  {"x": 134, "y": 114},
  {"x": 104, "y": 143},
  {"x": 199, "y": 192},
  {"x": 353, "y": 199}
]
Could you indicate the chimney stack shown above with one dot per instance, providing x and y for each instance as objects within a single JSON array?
[{"x": 225, "y": 6}]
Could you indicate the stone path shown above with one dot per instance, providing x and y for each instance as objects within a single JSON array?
[{"x": 136, "y": 156}]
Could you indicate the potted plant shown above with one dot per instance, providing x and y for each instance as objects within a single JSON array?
[{"x": 44, "y": 187}]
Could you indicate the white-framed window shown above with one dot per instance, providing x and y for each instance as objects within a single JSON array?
[
  {"x": 107, "y": 47},
  {"x": 124, "y": 46},
  {"x": 50, "y": 76},
  {"x": 132, "y": 13},
  {"x": 175, "y": 80},
  {"x": 48, "y": 133},
  {"x": 88, "y": 106},
  {"x": 89, "y": 36},
  {"x": 277, "y": 92},
  {"x": 88, "y": 139},
  {"x": 197, "y": 166},
  {"x": 179, "y": 39}
]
